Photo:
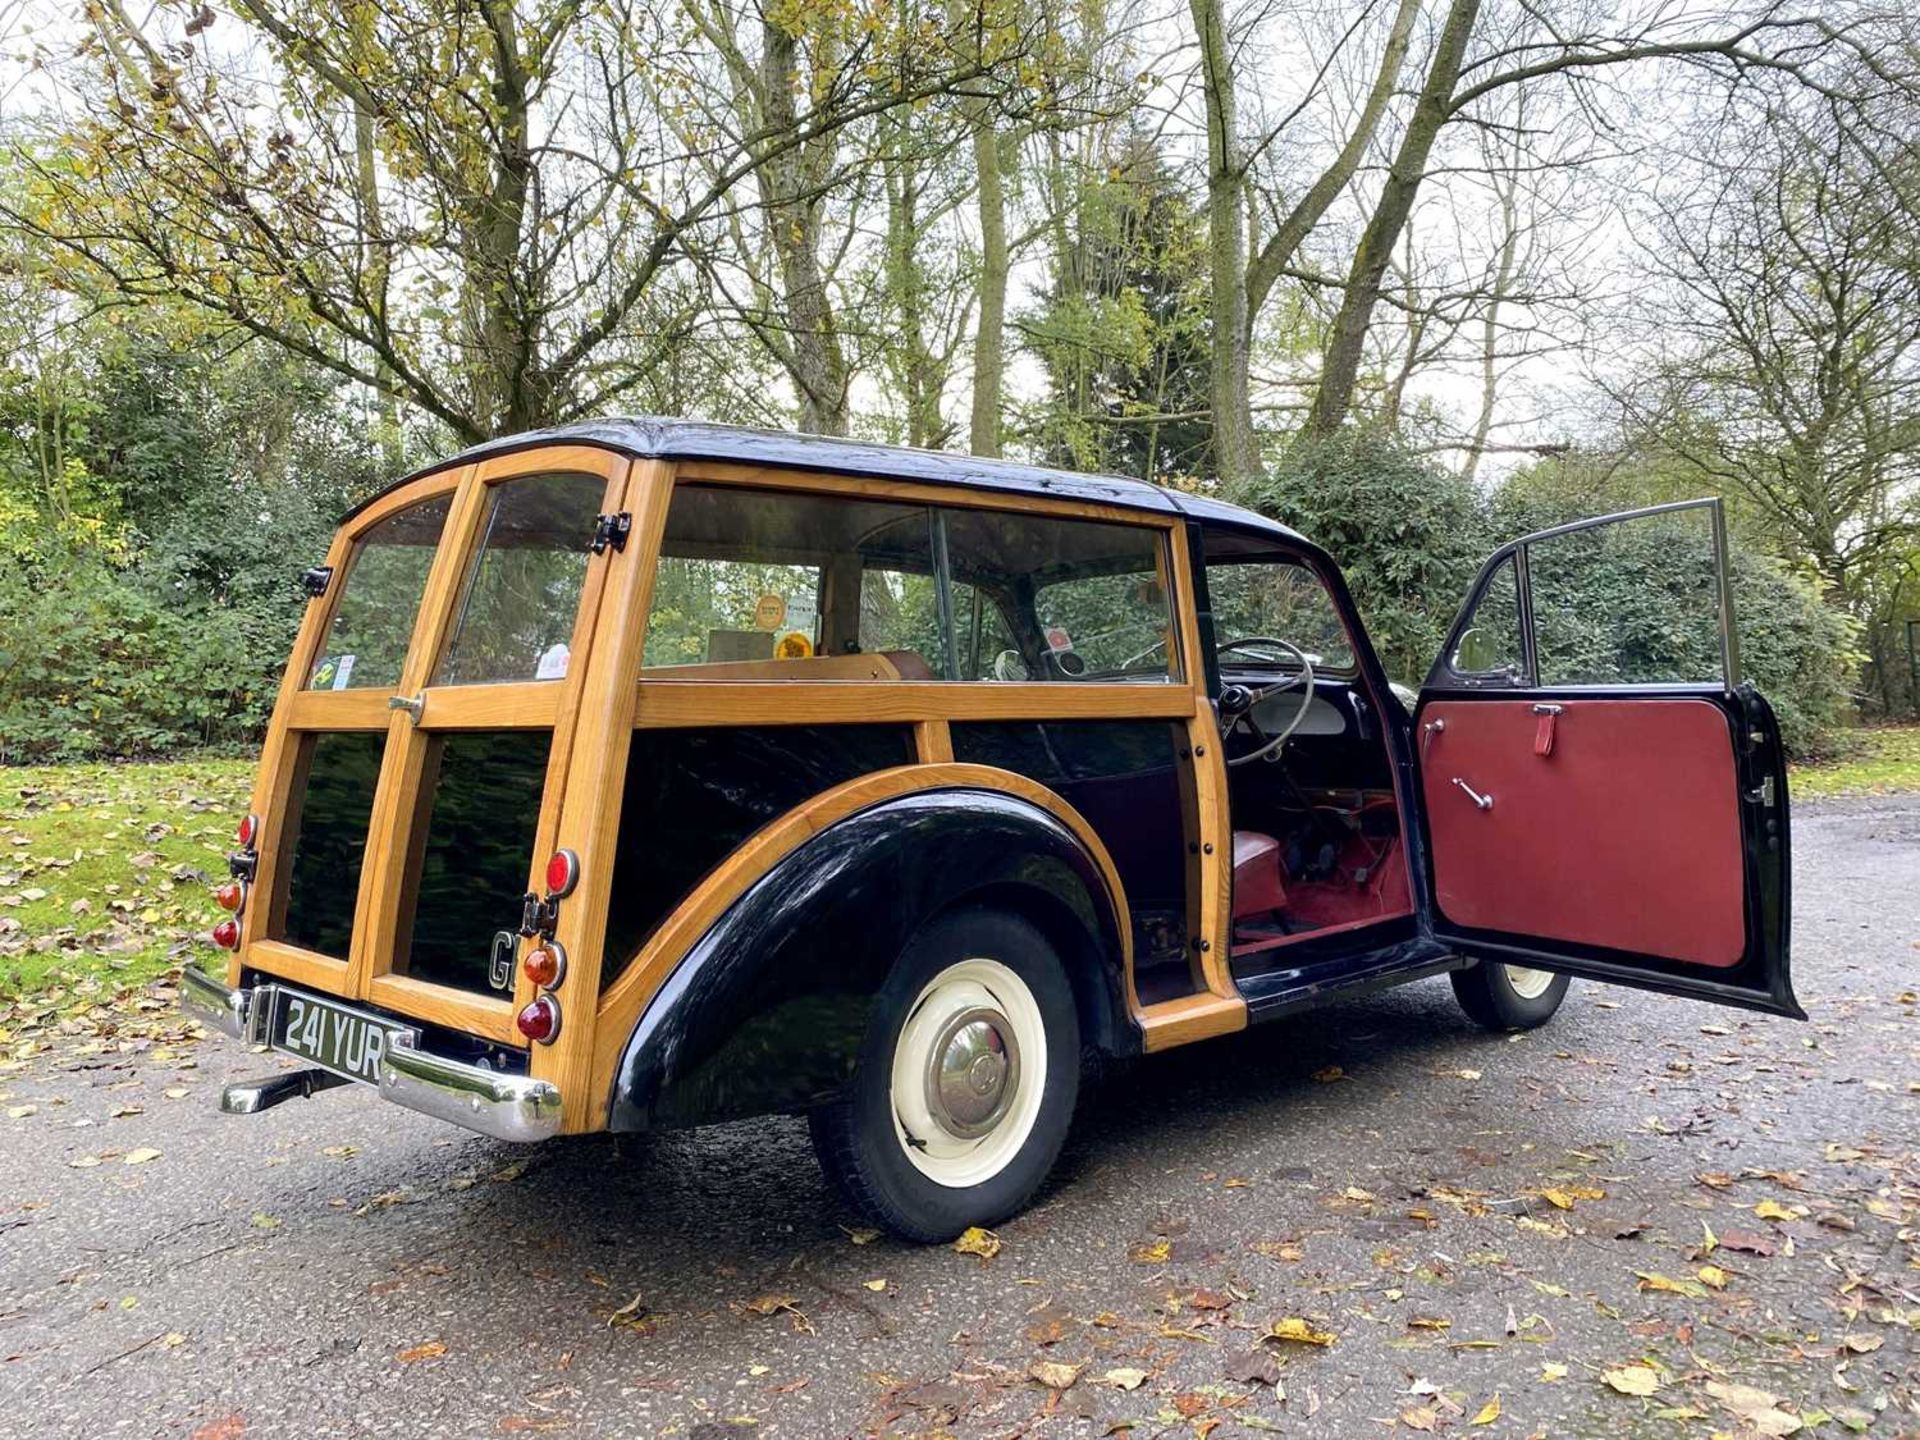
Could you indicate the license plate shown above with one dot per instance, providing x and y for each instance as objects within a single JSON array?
[{"x": 347, "y": 1042}]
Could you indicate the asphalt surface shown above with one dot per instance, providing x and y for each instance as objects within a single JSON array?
[{"x": 1464, "y": 1216}]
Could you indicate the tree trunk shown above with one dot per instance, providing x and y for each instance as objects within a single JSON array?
[
  {"x": 989, "y": 338},
  {"x": 1490, "y": 321},
  {"x": 1340, "y": 368},
  {"x": 1236, "y": 453},
  {"x": 818, "y": 364}
]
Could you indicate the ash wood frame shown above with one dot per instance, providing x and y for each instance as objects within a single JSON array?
[{"x": 593, "y": 713}]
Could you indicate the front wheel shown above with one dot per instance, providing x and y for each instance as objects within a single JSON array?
[
  {"x": 966, "y": 1081},
  {"x": 1508, "y": 997}
]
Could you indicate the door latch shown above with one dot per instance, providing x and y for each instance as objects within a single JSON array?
[
  {"x": 1432, "y": 728},
  {"x": 414, "y": 705},
  {"x": 1485, "y": 802}
]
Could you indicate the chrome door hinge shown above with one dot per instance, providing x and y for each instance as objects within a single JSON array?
[
  {"x": 611, "y": 530},
  {"x": 1762, "y": 794}
]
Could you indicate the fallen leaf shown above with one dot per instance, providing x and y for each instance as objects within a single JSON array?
[
  {"x": 875, "y": 1285},
  {"x": 1713, "y": 1277},
  {"x": 1755, "y": 1407},
  {"x": 1633, "y": 1379},
  {"x": 1552, "y": 1370},
  {"x": 426, "y": 1350},
  {"x": 1124, "y": 1377},
  {"x": 1329, "y": 1074},
  {"x": 140, "y": 1156},
  {"x": 1420, "y": 1417},
  {"x": 1150, "y": 1252},
  {"x": 1054, "y": 1374},
  {"x": 861, "y": 1234},
  {"x": 1258, "y": 1366},
  {"x": 1772, "y": 1210},
  {"x": 1298, "y": 1331},
  {"x": 976, "y": 1241},
  {"x": 1863, "y": 1344},
  {"x": 1653, "y": 1280},
  {"x": 1489, "y": 1413}
]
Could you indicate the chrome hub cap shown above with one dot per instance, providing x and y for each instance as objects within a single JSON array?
[
  {"x": 974, "y": 1072},
  {"x": 1528, "y": 984},
  {"x": 969, "y": 1071}
]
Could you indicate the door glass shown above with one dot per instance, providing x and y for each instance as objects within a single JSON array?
[
  {"x": 366, "y": 641},
  {"x": 325, "y": 840},
  {"x": 522, "y": 593},
  {"x": 1282, "y": 600},
  {"x": 1490, "y": 648},
  {"x": 1634, "y": 602},
  {"x": 480, "y": 810}
]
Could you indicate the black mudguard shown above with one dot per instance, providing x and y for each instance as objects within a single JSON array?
[{"x": 767, "y": 1011}]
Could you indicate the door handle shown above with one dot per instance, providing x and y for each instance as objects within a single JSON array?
[
  {"x": 1485, "y": 802},
  {"x": 1429, "y": 730},
  {"x": 414, "y": 705}
]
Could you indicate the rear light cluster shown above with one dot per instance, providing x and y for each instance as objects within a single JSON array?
[
  {"x": 546, "y": 963},
  {"x": 232, "y": 896}
]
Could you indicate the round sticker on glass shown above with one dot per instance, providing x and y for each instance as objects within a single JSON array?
[{"x": 770, "y": 612}]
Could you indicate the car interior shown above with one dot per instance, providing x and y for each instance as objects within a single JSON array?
[{"x": 1318, "y": 840}]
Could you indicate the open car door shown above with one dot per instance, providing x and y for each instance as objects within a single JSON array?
[{"x": 1602, "y": 796}]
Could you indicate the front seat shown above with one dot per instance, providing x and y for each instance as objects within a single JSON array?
[{"x": 1258, "y": 886}]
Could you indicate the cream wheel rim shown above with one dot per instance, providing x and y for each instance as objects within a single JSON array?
[
  {"x": 1528, "y": 984},
  {"x": 969, "y": 1069}
]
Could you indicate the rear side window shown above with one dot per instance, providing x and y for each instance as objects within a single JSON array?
[
  {"x": 372, "y": 623},
  {"x": 522, "y": 592},
  {"x": 768, "y": 584}
]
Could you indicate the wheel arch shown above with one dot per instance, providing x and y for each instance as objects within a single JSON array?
[{"x": 766, "y": 1009}]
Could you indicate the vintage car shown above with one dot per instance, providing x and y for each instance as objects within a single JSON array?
[{"x": 648, "y": 773}]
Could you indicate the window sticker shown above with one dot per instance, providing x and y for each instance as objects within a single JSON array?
[
  {"x": 794, "y": 645},
  {"x": 770, "y": 612},
  {"x": 553, "y": 662}
]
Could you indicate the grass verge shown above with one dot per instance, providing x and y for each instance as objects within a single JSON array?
[{"x": 1884, "y": 760}]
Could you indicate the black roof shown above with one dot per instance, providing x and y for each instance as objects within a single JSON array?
[{"x": 651, "y": 437}]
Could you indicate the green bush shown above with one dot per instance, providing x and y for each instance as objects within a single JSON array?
[{"x": 1409, "y": 535}]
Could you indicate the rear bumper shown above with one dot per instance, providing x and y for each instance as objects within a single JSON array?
[{"x": 506, "y": 1107}]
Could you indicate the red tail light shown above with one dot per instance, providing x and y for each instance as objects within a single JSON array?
[
  {"x": 230, "y": 896},
  {"x": 545, "y": 964},
  {"x": 249, "y": 831},
  {"x": 227, "y": 935},
  {"x": 563, "y": 873},
  {"x": 540, "y": 1021}
]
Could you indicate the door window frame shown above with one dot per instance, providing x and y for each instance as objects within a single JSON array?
[{"x": 1444, "y": 676}]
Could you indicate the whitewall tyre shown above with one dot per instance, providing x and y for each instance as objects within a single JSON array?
[
  {"x": 1508, "y": 997},
  {"x": 966, "y": 1081}
]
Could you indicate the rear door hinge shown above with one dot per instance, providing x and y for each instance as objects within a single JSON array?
[{"x": 611, "y": 530}]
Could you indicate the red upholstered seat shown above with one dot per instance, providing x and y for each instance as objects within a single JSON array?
[{"x": 1258, "y": 886}]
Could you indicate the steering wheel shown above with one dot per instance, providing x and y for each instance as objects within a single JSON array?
[{"x": 1239, "y": 702}]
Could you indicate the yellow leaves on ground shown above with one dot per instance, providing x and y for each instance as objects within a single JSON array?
[
  {"x": 426, "y": 1350},
  {"x": 1150, "y": 1252},
  {"x": 1299, "y": 1332},
  {"x": 1653, "y": 1280},
  {"x": 1635, "y": 1379},
  {"x": 1713, "y": 1277},
  {"x": 1489, "y": 1413},
  {"x": 1562, "y": 1197},
  {"x": 1773, "y": 1210},
  {"x": 976, "y": 1241},
  {"x": 1756, "y": 1408},
  {"x": 1124, "y": 1377}
]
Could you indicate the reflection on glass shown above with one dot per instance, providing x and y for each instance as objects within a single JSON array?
[
  {"x": 366, "y": 641},
  {"x": 1635, "y": 602},
  {"x": 1491, "y": 645},
  {"x": 325, "y": 839},
  {"x": 480, "y": 800},
  {"x": 523, "y": 591},
  {"x": 1279, "y": 600}
]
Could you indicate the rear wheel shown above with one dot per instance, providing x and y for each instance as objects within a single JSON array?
[
  {"x": 1508, "y": 997},
  {"x": 966, "y": 1081}
]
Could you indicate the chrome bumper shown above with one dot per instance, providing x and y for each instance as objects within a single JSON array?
[{"x": 506, "y": 1107}]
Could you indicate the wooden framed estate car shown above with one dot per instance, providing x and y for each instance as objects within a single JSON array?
[{"x": 646, "y": 773}]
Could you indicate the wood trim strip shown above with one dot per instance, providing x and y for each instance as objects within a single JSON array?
[
  {"x": 1173, "y": 1023},
  {"x": 1209, "y": 799},
  {"x": 627, "y": 998},
  {"x": 339, "y": 710},
  {"x": 520, "y": 705},
  {"x": 443, "y": 1005},
  {"x": 298, "y": 966},
  {"x": 682, "y": 703},
  {"x": 933, "y": 742},
  {"x": 588, "y": 819}
]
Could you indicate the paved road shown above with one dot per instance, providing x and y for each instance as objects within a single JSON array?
[{"x": 339, "y": 1268}]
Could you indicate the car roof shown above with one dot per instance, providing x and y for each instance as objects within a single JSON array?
[{"x": 653, "y": 437}]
